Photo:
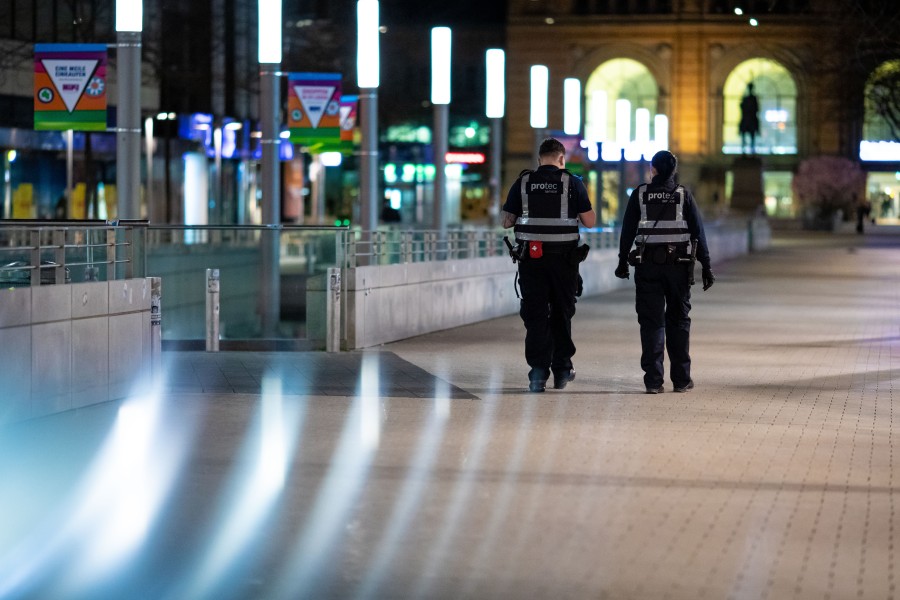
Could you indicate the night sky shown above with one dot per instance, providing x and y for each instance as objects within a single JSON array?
[{"x": 435, "y": 12}]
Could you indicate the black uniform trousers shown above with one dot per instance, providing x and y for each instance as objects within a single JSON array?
[
  {"x": 548, "y": 285},
  {"x": 663, "y": 301}
]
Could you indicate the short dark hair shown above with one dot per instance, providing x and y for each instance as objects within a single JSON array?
[
  {"x": 664, "y": 162},
  {"x": 551, "y": 146}
]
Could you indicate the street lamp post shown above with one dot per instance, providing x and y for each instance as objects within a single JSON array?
[
  {"x": 440, "y": 99},
  {"x": 129, "y": 24},
  {"x": 495, "y": 104},
  {"x": 368, "y": 78},
  {"x": 269, "y": 51}
]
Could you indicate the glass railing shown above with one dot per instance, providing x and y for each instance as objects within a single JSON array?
[{"x": 271, "y": 278}]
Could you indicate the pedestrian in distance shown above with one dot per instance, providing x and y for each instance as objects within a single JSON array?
[
  {"x": 544, "y": 206},
  {"x": 664, "y": 224}
]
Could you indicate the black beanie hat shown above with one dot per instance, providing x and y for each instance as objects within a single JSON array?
[{"x": 664, "y": 162}]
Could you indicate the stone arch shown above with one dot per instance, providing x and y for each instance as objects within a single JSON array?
[
  {"x": 724, "y": 63},
  {"x": 619, "y": 76}
]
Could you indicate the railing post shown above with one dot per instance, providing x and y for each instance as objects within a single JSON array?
[
  {"x": 155, "y": 327},
  {"x": 35, "y": 243},
  {"x": 111, "y": 254},
  {"x": 59, "y": 255},
  {"x": 333, "y": 311},
  {"x": 212, "y": 310},
  {"x": 406, "y": 247}
]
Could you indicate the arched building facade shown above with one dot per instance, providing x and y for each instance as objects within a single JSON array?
[{"x": 691, "y": 61}]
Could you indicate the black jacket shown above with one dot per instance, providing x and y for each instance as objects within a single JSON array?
[{"x": 691, "y": 214}]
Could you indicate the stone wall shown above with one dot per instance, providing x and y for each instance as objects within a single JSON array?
[{"x": 69, "y": 346}]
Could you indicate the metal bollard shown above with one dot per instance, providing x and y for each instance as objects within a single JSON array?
[
  {"x": 155, "y": 327},
  {"x": 212, "y": 310},
  {"x": 333, "y": 312}
]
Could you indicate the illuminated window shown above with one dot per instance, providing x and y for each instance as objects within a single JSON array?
[
  {"x": 776, "y": 95},
  {"x": 615, "y": 80},
  {"x": 881, "y": 127}
]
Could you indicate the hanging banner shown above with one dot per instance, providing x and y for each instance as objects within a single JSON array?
[
  {"x": 70, "y": 87},
  {"x": 348, "y": 129},
  {"x": 314, "y": 101},
  {"x": 348, "y": 117}
]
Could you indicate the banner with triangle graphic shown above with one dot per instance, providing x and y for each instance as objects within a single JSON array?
[
  {"x": 314, "y": 102},
  {"x": 70, "y": 87}
]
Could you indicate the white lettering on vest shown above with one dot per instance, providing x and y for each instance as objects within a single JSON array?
[
  {"x": 661, "y": 197},
  {"x": 544, "y": 187}
]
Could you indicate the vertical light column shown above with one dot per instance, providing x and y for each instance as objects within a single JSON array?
[
  {"x": 440, "y": 99},
  {"x": 495, "y": 105},
  {"x": 642, "y": 133},
  {"x": 270, "y": 183},
  {"x": 368, "y": 77},
  {"x": 540, "y": 83},
  {"x": 623, "y": 122},
  {"x": 129, "y": 25},
  {"x": 572, "y": 106},
  {"x": 153, "y": 211},
  {"x": 661, "y": 132},
  {"x": 597, "y": 133}
]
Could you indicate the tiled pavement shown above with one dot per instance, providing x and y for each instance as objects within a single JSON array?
[{"x": 777, "y": 477}]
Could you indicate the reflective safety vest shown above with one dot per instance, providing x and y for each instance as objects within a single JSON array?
[
  {"x": 662, "y": 217},
  {"x": 545, "y": 210}
]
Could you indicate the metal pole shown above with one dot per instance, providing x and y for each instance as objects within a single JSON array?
[
  {"x": 368, "y": 175},
  {"x": 212, "y": 310},
  {"x": 270, "y": 185},
  {"x": 317, "y": 207},
  {"x": 70, "y": 169},
  {"x": 368, "y": 169},
  {"x": 128, "y": 127},
  {"x": 441, "y": 126},
  {"x": 155, "y": 327},
  {"x": 496, "y": 170},
  {"x": 333, "y": 312}
]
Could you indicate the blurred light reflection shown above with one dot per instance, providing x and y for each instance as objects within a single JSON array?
[
  {"x": 92, "y": 533},
  {"x": 470, "y": 464},
  {"x": 247, "y": 502},
  {"x": 346, "y": 477},
  {"x": 410, "y": 496}
]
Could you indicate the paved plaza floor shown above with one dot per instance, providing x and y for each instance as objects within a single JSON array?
[{"x": 423, "y": 469}]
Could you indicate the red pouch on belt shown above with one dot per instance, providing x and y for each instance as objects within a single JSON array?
[{"x": 535, "y": 249}]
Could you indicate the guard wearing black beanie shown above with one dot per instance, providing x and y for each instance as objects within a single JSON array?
[{"x": 664, "y": 225}]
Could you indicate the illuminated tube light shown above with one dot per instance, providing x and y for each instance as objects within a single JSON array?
[
  {"x": 496, "y": 83},
  {"x": 572, "y": 106},
  {"x": 642, "y": 132},
  {"x": 623, "y": 122},
  {"x": 269, "y": 31},
  {"x": 599, "y": 116},
  {"x": 661, "y": 132},
  {"x": 540, "y": 81},
  {"x": 367, "y": 52},
  {"x": 129, "y": 15},
  {"x": 440, "y": 65},
  {"x": 879, "y": 151},
  {"x": 331, "y": 159}
]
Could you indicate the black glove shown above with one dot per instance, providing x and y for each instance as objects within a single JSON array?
[
  {"x": 622, "y": 270},
  {"x": 708, "y": 279}
]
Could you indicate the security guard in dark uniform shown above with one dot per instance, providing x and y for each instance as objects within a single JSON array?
[
  {"x": 663, "y": 219},
  {"x": 545, "y": 207}
]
